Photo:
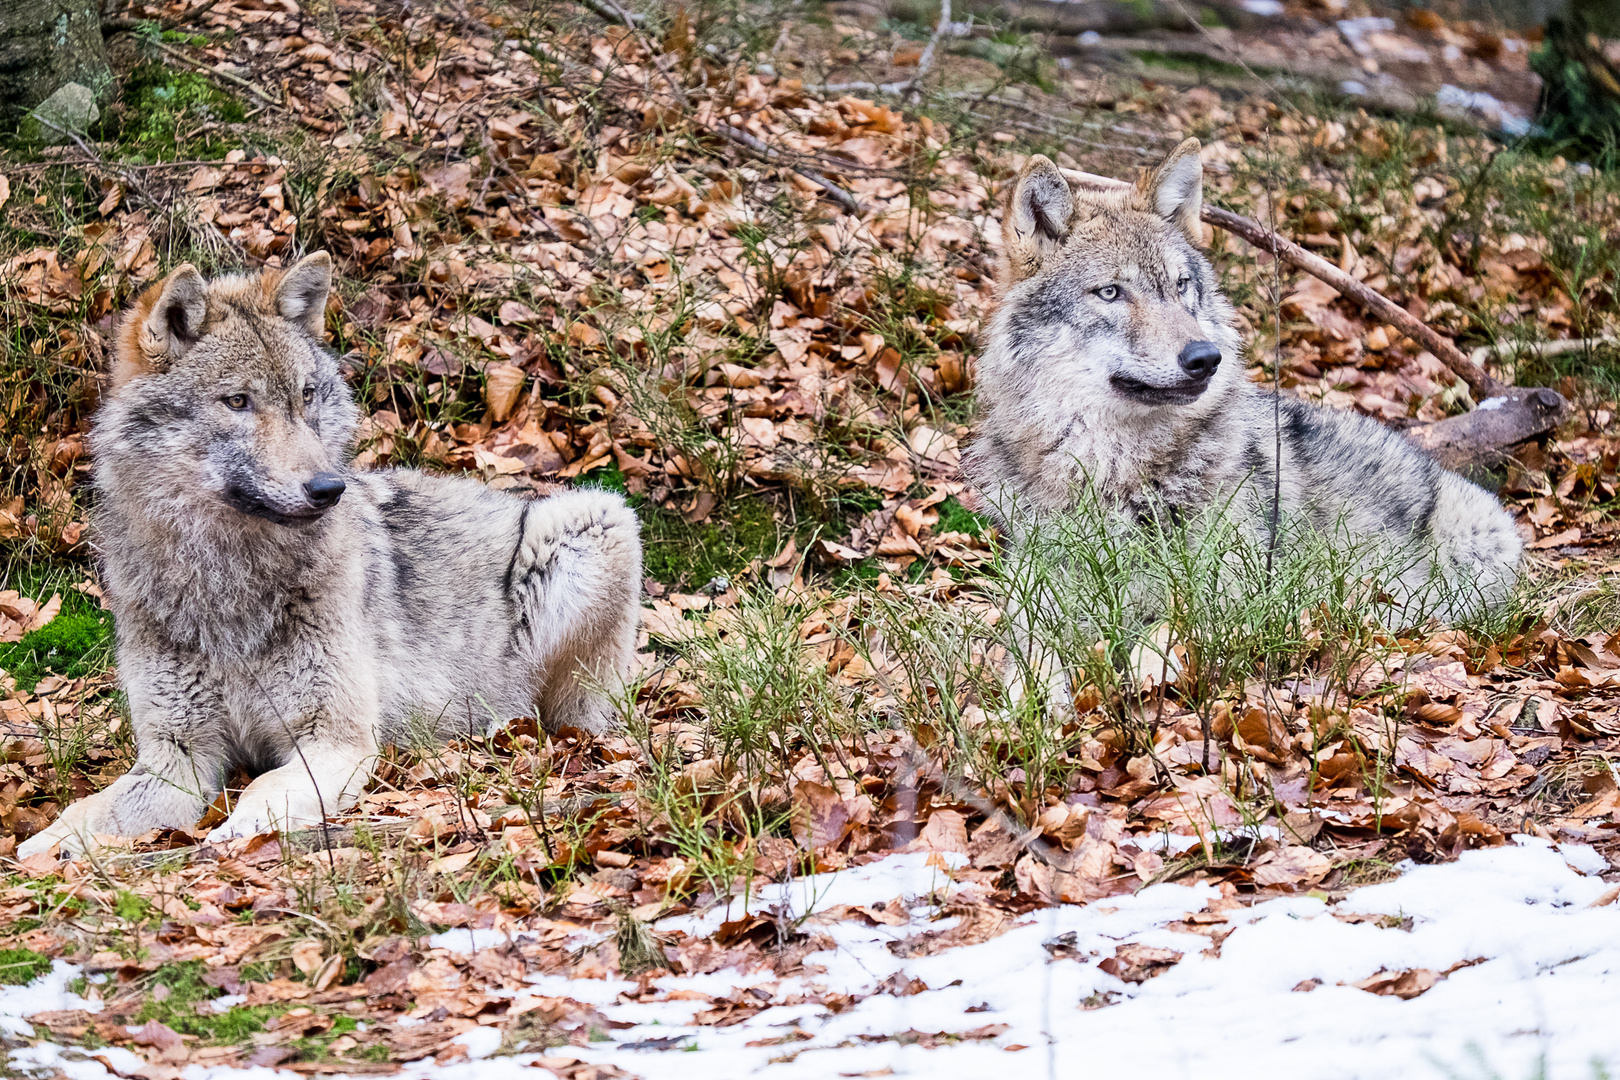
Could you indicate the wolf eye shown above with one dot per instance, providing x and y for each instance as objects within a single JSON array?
[
  {"x": 237, "y": 402},
  {"x": 1108, "y": 293},
  {"x": 309, "y": 394},
  {"x": 1181, "y": 285}
]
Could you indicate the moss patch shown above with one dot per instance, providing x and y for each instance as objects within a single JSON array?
[
  {"x": 74, "y": 643},
  {"x": 186, "y": 990},
  {"x": 687, "y": 556},
  {"x": 21, "y": 966},
  {"x": 158, "y": 109}
]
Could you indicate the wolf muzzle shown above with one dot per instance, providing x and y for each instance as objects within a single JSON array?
[
  {"x": 321, "y": 493},
  {"x": 1198, "y": 360}
]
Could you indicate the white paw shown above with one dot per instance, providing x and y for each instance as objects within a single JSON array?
[
  {"x": 65, "y": 830},
  {"x": 268, "y": 811}
]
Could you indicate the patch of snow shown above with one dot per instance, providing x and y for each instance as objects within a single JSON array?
[
  {"x": 585, "y": 991},
  {"x": 480, "y": 1041},
  {"x": 904, "y": 877},
  {"x": 47, "y": 993},
  {"x": 1090, "y": 37},
  {"x": 1180, "y": 842},
  {"x": 1353, "y": 88},
  {"x": 1533, "y": 971},
  {"x": 1492, "y": 111},
  {"x": 1539, "y": 985},
  {"x": 1584, "y": 857},
  {"x": 1267, "y": 8},
  {"x": 48, "y": 1059}
]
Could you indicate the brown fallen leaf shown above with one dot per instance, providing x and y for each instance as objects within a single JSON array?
[{"x": 1402, "y": 984}]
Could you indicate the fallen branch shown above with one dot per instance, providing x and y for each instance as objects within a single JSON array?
[
  {"x": 747, "y": 141},
  {"x": 1480, "y": 383},
  {"x": 1482, "y": 436},
  {"x": 1524, "y": 411}
]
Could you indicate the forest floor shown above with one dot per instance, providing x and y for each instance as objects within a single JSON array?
[{"x": 734, "y": 261}]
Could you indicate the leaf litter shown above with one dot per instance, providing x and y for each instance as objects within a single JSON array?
[{"x": 566, "y": 272}]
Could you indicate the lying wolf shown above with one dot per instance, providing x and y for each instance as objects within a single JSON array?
[
  {"x": 277, "y": 610},
  {"x": 1114, "y": 371}
]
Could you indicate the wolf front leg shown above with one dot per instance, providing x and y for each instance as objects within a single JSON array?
[
  {"x": 317, "y": 715},
  {"x": 176, "y": 713},
  {"x": 576, "y": 577}
]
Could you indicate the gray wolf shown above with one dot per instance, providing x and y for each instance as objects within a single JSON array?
[
  {"x": 1113, "y": 369},
  {"x": 276, "y": 609}
]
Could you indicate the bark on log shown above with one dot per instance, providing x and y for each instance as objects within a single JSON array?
[
  {"x": 45, "y": 44},
  {"x": 1482, "y": 437}
]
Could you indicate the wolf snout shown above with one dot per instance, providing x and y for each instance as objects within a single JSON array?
[
  {"x": 324, "y": 491},
  {"x": 1199, "y": 359}
]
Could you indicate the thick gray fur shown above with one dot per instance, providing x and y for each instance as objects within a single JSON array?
[
  {"x": 1055, "y": 421},
  {"x": 251, "y": 631}
]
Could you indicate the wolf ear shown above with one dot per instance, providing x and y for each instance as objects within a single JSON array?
[
  {"x": 1037, "y": 218},
  {"x": 166, "y": 321},
  {"x": 301, "y": 293},
  {"x": 1175, "y": 190}
]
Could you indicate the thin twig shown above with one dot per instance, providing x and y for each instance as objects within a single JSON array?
[
  {"x": 101, "y": 163},
  {"x": 832, "y": 190},
  {"x": 114, "y": 26},
  {"x": 614, "y": 13},
  {"x": 251, "y": 88}
]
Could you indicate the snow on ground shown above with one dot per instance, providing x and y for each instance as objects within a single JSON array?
[{"x": 1542, "y": 985}]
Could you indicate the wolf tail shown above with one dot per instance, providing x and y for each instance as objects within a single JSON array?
[{"x": 575, "y": 578}]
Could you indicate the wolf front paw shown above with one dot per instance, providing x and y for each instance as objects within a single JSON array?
[
  {"x": 72, "y": 830},
  {"x": 283, "y": 799}
]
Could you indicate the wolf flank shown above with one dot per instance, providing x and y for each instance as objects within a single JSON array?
[
  {"x": 1114, "y": 370},
  {"x": 279, "y": 610}
]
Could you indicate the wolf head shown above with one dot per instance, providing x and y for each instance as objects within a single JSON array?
[
  {"x": 224, "y": 402},
  {"x": 1107, "y": 298}
]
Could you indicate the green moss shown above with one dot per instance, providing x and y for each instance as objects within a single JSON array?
[
  {"x": 159, "y": 106},
  {"x": 131, "y": 908},
  {"x": 20, "y": 966},
  {"x": 74, "y": 643},
  {"x": 187, "y": 990},
  {"x": 686, "y": 556},
  {"x": 954, "y": 517}
]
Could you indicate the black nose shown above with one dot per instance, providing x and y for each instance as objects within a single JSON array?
[
  {"x": 325, "y": 490},
  {"x": 1199, "y": 359}
]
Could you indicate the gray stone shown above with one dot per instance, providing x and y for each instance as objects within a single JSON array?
[{"x": 71, "y": 108}]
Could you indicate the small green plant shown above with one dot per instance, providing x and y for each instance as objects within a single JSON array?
[{"x": 164, "y": 111}]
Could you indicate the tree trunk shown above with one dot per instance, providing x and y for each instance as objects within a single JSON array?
[{"x": 45, "y": 44}]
